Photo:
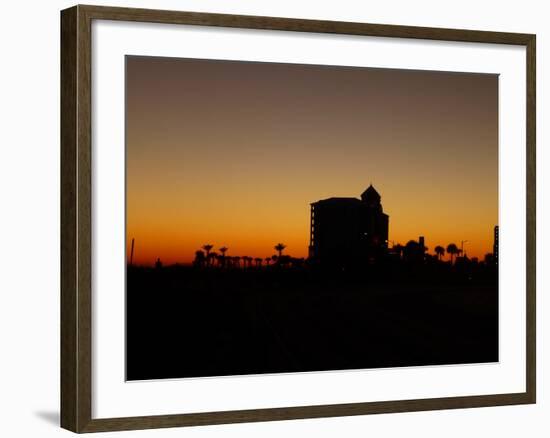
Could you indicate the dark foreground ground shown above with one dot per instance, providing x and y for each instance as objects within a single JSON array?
[{"x": 185, "y": 322}]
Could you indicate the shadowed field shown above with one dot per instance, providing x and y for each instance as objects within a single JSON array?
[{"x": 187, "y": 322}]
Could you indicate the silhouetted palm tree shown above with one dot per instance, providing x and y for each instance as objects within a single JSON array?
[
  {"x": 267, "y": 260},
  {"x": 440, "y": 251},
  {"x": 200, "y": 258},
  {"x": 452, "y": 250},
  {"x": 223, "y": 250},
  {"x": 211, "y": 257},
  {"x": 280, "y": 247},
  {"x": 258, "y": 261},
  {"x": 207, "y": 248},
  {"x": 237, "y": 261}
]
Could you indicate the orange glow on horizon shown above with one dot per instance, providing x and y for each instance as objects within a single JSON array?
[{"x": 233, "y": 153}]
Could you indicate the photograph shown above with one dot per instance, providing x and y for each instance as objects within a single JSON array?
[
  {"x": 290, "y": 218},
  {"x": 274, "y": 219}
]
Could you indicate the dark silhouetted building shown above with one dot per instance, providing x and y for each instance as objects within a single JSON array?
[{"x": 347, "y": 232}]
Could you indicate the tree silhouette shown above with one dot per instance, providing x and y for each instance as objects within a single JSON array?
[
  {"x": 279, "y": 248},
  {"x": 267, "y": 261},
  {"x": 211, "y": 257},
  {"x": 413, "y": 251},
  {"x": 200, "y": 258},
  {"x": 223, "y": 250},
  {"x": 284, "y": 260},
  {"x": 207, "y": 248},
  {"x": 258, "y": 261},
  {"x": 440, "y": 251},
  {"x": 452, "y": 250}
]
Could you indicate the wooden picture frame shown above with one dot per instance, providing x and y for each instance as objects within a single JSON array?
[{"x": 76, "y": 171}]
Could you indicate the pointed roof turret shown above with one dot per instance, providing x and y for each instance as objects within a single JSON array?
[{"x": 371, "y": 196}]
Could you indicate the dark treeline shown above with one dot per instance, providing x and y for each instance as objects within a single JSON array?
[{"x": 413, "y": 254}]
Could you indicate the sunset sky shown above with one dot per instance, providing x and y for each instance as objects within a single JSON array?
[{"x": 233, "y": 153}]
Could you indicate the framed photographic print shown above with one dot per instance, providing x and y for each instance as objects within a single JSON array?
[{"x": 270, "y": 218}]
